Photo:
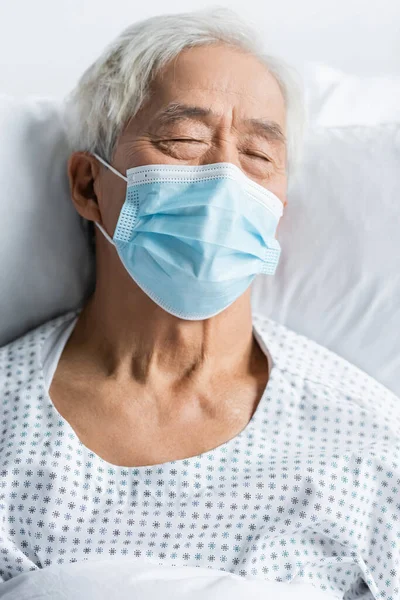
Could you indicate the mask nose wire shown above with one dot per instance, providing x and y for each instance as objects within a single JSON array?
[{"x": 105, "y": 163}]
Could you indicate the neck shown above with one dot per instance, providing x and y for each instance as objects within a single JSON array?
[{"x": 127, "y": 336}]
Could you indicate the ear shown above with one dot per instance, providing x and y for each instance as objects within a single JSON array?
[{"x": 83, "y": 172}]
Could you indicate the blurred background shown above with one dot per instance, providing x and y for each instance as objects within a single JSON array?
[{"x": 46, "y": 44}]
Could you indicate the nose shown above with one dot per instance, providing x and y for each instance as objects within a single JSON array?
[{"x": 223, "y": 151}]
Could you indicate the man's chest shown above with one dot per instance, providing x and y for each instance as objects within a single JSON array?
[{"x": 135, "y": 434}]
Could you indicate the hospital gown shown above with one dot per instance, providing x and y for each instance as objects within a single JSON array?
[{"x": 309, "y": 490}]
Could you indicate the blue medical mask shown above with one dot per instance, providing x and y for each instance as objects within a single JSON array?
[{"x": 193, "y": 238}]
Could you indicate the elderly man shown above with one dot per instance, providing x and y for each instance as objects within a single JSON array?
[{"x": 163, "y": 420}]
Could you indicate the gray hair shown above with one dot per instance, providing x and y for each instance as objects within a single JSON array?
[{"x": 116, "y": 85}]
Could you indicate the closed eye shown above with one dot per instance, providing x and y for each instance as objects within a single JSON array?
[
  {"x": 182, "y": 140},
  {"x": 258, "y": 156}
]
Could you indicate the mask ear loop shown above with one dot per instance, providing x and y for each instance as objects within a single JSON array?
[
  {"x": 103, "y": 231},
  {"x": 105, "y": 163}
]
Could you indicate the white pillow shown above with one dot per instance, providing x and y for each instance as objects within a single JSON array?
[
  {"x": 338, "y": 281},
  {"x": 45, "y": 263},
  {"x": 338, "y": 99}
]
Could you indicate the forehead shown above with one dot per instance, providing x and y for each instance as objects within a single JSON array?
[{"x": 223, "y": 79}]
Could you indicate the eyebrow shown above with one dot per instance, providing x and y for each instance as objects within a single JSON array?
[{"x": 175, "y": 112}]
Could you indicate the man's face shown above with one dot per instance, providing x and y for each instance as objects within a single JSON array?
[{"x": 211, "y": 104}]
